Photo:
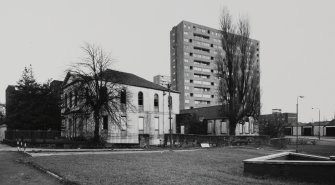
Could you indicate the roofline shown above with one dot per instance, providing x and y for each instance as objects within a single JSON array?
[
  {"x": 70, "y": 74},
  {"x": 218, "y": 30}
]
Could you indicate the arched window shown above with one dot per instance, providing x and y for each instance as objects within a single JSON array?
[
  {"x": 75, "y": 98},
  {"x": 140, "y": 98},
  {"x": 70, "y": 99},
  {"x": 65, "y": 101},
  {"x": 123, "y": 96},
  {"x": 156, "y": 100}
]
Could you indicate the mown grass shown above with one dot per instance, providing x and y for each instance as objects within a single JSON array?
[{"x": 212, "y": 166}]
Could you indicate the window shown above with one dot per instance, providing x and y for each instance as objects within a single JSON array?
[
  {"x": 187, "y": 87},
  {"x": 210, "y": 127},
  {"x": 206, "y": 95},
  {"x": 224, "y": 127},
  {"x": 140, "y": 98},
  {"x": 156, "y": 123},
  {"x": 185, "y": 60},
  {"x": 70, "y": 99},
  {"x": 123, "y": 122},
  {"x": 75, "y": 98},
  {"x": 123, "y": 96},
  {"x": 187, "y": 101},
  {"x": 105, "y": 122},
  {"x": 140, "y": 123},
  {"x": 206, "y": 70},
  {"x": 206, "y": 83},
  {"x": 65, "y": 101},
  {"x": 197, "y": 82},
  {"x": 197, "y": 95},
  {"x": 156, "y": 100}
]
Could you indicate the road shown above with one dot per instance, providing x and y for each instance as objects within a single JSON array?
[{"x": 15, "y": 173}]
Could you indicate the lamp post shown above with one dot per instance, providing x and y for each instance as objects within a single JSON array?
[
  {"x": 170, "y": 106},
  {"x": 319, "y": 122},
  {"x": 296, "y": 143},
  {"x": 163, "y": 111}
]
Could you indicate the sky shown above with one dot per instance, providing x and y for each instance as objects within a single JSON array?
[{"x": 296, "y": 42}]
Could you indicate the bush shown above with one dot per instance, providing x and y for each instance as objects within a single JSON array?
[{"x": 280, "y": 142}]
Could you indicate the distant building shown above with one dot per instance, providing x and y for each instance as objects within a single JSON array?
[
  {"x": 2, "y": 113},
  {"x": 193, "y": 49},
  {"x": 162, "y": 80},
  {"x": 211, "y": 121},
  {"x": 2, "y": 109},
  {"x": 277, "y": 117},
  {"x": 150, "y": 117}
]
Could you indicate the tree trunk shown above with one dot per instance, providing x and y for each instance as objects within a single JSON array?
[{"x": 96, "y": 127}]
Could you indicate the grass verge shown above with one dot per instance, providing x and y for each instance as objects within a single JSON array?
[{"x": 212, "y": 166}]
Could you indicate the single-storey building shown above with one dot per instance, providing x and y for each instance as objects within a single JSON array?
[{"x": 211, "y": 121}]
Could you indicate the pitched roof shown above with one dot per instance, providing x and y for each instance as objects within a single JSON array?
[
  {"x": 129, "y": 79},
  {"x": 133, "y": 80}
]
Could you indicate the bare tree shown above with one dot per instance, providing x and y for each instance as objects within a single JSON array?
[
  {"x": 238, "y": 71},
  {"x": 99, "y": 89}
]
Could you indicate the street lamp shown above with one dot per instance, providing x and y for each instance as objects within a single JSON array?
[
  {"x": 163, "y": 111},
  {"x": 170, "y": 106},
  {"x": 319, "y": 122},
  {"x": 296, "y": 143}
]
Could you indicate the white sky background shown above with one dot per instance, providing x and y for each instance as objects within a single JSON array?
[{"x": 296, "y": 42}]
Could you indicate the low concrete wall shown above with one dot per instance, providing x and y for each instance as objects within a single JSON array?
[{"x": 319, "y": 170}]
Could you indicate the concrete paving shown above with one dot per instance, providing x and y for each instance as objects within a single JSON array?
[{"x": 40, "y": 154}]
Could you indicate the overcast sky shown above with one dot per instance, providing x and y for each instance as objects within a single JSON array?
[{"x": 296, "y": 42}]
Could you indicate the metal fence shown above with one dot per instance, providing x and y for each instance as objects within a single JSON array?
[{"x": 195, "y": 140}]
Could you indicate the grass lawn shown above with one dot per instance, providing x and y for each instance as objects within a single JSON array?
[{"x": 212, "y": 166}]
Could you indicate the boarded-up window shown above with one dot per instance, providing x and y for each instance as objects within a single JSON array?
[
  {"x": 140, "y": 123},
  {"x": 224, "y": 127},
  {"x": 246, "y": 127},
  {"x": 123, "y": 123},
  {"x": 210, "y": 126},
  {"x": 156, "y": 123},
  {"x": 241, "y": 128},
  {"x": 217, "y": 127}
]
